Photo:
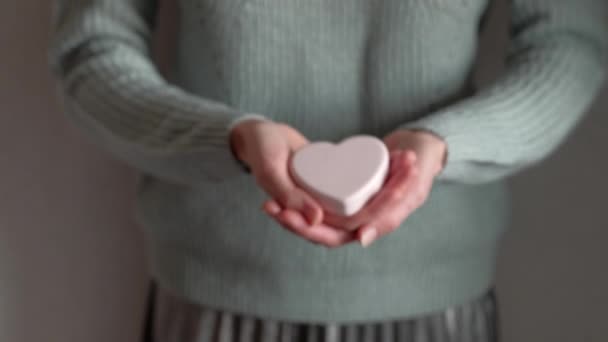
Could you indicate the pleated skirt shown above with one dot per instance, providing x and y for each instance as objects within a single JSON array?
[{"x": 178, "y": 321}]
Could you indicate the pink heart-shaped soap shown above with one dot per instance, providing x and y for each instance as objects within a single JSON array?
[{"x": 342, "y": 177}]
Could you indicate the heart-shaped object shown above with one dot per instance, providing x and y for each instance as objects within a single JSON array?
[{"x": 342, "y": 177}]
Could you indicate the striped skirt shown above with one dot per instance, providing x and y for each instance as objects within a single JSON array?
[{"x": 178, "y": 321}]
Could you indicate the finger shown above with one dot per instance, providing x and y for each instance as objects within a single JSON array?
[
  {"x": 302, "y": 202},
  {"x": 390, "y": 216},
  {"x": 374, "y": 206},
  {"x": 339, "y": 221},
  {"x": 398, "y": 185},
  {"x": 410, "y": 193},
  {"x": 394, "y": 157},
  {"x": 404, "y": 160},
  {"x": 312, "y": 214},
  {"x": 410, "y": 157},
  {"x": 384, "y": 225},
  {"x": 418, "y": 194},
  {"x": 403, "y": 172},
  {"x": 367, "y": 235},
  {"x": 312, "y": 211},
  {"x": 321, "y": 234},
  {"x": 276, "y": 181},
  {"x": 295, "y": 139},
  {"x": 273, "y": 178},
  {"x": 393, "y": 191},
  {"x": 391, "y": 220},
  {"x": 271, "y": 207}
]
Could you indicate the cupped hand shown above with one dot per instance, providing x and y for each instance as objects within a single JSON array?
[
  {"x": 266, "y": 148},
  {"x": 416, "y": 159}
]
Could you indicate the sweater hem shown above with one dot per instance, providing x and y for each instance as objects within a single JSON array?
[{"x": 297, "y": 297}]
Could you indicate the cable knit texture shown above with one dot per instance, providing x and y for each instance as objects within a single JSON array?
[{"x": 331, "y": 69}]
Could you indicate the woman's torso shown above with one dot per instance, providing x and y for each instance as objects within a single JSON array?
[{"x": 331, "y": 69}]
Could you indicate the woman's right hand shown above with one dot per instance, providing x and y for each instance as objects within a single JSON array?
[{"x": 266, "y": 148}]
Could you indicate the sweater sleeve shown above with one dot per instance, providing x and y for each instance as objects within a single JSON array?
[
  {"x": 100, "y": 54},
  {"x": 555, "y": 68}
]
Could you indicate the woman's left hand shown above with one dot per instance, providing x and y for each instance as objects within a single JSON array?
[{"x": 416, "y": 158}]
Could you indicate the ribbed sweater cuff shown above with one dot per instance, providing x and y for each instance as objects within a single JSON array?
[
  {"x": 232, "y": 124},
  {"x": 457, "y": 143},
  {"x": 246, "y": 117}
]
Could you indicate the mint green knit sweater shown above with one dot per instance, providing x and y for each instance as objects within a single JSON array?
[{"x": 330, "y": 68}]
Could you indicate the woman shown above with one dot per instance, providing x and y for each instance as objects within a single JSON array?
[{"x": 258, "y": 79}]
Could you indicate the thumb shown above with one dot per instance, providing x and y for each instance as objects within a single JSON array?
[
  {"x": 276, "y": 181},
  {"x": 295, "y": 139}
]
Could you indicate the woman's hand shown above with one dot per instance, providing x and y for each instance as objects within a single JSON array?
[
  {"x": 416, "y": 158},
  {"x": 266, "y": 148}
]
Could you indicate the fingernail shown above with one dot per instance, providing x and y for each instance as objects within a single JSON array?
[
  {"x": 368, "y": 236},
  {"x": 273, "y": 208},
  {"x": 311, "y": 215},
  {"x": 411, "y": 157}
]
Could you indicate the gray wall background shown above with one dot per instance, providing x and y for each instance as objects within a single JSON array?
[{"x": 72, "y": 264}]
